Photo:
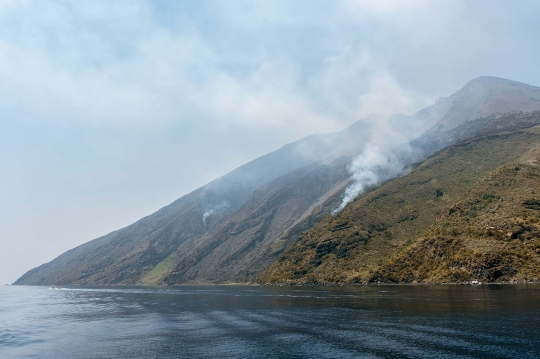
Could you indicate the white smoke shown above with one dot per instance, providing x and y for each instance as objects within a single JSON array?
[
  {"x": 370, "y": 168},
  {"x": 388, "y": 151},
  {"x": 215, "y": 209},
  {"x": 207, "y": 214}
]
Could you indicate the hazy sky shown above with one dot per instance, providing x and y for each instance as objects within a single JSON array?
[{"x": 110, "y": 110}]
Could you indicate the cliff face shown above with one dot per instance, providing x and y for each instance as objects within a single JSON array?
[{"x": 235, "y": 227}]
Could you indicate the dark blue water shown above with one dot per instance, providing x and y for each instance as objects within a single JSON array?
[{"x": 258, "y": 322}]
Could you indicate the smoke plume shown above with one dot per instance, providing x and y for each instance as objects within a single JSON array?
[
  {"x": 370, "y": 168},
  {"x": 215, "y": 209}
]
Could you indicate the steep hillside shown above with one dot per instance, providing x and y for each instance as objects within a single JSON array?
[
  {"x": 233, "y": 252},
  {"x": 351, "y": 246},
  {"x": 128, "y": 255},
  {"x": 234, "y": 227},
  {"x": 491, "y": 234},
  {"x": 227, "y": 257}
]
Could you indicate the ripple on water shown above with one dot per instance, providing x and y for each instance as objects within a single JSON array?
[{"x": 231, "y": 322}]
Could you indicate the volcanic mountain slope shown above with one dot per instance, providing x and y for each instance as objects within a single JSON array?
[
  {"x": 491, "y": 234},
  {"x": 234, "y": 251},
  {"x": 128, "y": 255},
  {"x": 231, "y": 256},
  {"x": 233, "y": 228},
  {"x": 352, "y": 246},
  {"x": 421, "y": 148}
]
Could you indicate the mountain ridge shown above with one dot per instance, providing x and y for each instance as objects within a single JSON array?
[{"x": 191, "y": 240}]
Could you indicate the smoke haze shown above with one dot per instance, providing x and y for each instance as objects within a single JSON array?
[
  {"x": 370, "y": 168},
  {"x": 113, "y": 109},
  {"x": 387, "y": 152}
]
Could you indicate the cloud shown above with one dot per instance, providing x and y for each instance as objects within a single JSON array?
[
  {"x": 355, "y": 85},
  {"x": 42, "y": 91},
  {"x": 386, "y": 97},
  {"x": 170, "y": 77},
  {"x": 7, "y": 4},
  {"x": 166, "y": 78},
  {"x": 384, "y": 8}
]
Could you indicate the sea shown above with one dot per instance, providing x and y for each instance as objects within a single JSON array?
[{"x": 454, "y": 321}]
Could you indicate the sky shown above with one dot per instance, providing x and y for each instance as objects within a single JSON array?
[{"x": 110, "y": 110}]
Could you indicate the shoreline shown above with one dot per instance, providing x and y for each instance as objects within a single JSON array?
[{"x": 286, "y": 285}]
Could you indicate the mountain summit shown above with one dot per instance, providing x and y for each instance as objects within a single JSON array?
[{"x": 482, "y": 97}]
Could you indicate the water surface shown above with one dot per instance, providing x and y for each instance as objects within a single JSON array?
[{"x": 495, "y": 321}]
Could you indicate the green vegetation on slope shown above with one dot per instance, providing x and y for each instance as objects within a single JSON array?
[
  {"x": 160, "y": 271},
  {"x": 352, "y": 246},
  {"x": 492, "y": 234}
]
